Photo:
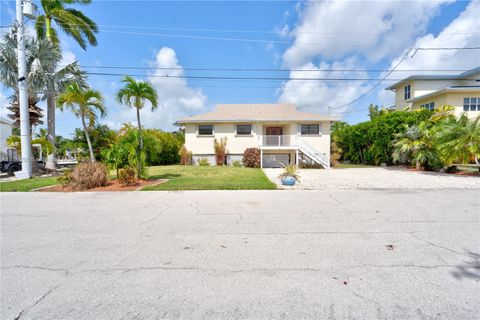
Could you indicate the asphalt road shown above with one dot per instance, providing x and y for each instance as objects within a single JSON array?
[{"x": 364, "y": 254}]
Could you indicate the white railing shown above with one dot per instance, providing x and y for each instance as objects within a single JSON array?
[
  {"x": 277, "y": 140},
  {"x": 312, "y": 153}
]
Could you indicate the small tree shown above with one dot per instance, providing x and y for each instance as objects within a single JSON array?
[{"x": 185, "y": 156}]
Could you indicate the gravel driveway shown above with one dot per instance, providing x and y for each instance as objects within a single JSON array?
[{"x": 375, "y": 178}]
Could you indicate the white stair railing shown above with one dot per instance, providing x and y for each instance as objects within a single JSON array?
[{"x": 312, "y": 153}]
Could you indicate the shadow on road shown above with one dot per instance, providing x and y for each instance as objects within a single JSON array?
[{"x": 469, "y": 269}]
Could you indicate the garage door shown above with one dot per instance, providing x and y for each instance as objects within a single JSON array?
[{"x": 278, "y": 160}]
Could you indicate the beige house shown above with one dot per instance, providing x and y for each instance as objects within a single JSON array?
[
  {"x": 434, "y": 91},
  {"x": 283, "y": 134}
]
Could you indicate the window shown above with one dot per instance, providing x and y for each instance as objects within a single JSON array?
[
  {"x": 428, "y": 106},
  {"x": 205, "y": 130},
  {"x": 244, "y": 129},
  {"x": 407, "y": 92},
  {"x": 310, "y": 129},
  {"x": 471, "y": 104}
]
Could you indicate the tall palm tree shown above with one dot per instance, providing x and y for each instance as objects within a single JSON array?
[
  {"x": 41, "y": 58},
  {"x": 135, "y": 94},
  {"x": 84, "y": 104},
  {"x": 73, "y": 23},
  {"x": 459, "y": 139}
]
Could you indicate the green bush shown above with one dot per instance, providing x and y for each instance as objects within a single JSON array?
[
  {"x": 371, "y": 142},
  {"x": 203, "y": 162},
  {"x": 237, "y": 163},
  {"x": 127, "y": 176},
  {"x": 251, "y": 158}
]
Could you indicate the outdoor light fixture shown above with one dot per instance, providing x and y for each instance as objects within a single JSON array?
[{"x": 29, "y": 9}]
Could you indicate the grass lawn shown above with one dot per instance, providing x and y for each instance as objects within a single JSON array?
[
  {"x": 209, "y": 178},
  {"x": 28, "y": 184}
]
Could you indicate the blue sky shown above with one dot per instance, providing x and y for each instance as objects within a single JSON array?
[{"x": 307, "y": 36}]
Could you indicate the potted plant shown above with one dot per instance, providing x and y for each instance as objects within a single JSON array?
[{"x": 289, "y": 175}]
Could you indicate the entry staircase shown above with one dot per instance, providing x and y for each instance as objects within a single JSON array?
[{"x": 312, "y": 153}]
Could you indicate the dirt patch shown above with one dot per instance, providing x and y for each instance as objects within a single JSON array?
[{"x": 113, "y": 185}]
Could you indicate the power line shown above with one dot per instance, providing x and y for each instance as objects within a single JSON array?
[
  {"x": 269, "y": 69},
  {"x": 376, "y": 85}
]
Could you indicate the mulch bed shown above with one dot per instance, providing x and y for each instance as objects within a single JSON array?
[{"x": 113, "y": 185}]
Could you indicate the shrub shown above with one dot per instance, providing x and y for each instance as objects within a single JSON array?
[
  {"x": 220, "y": 148},
  {"x": 312, "y": 165},
  {"x": 371, "y": 142},
  {"x": 89, "y": 175},
  {"x": 185, "y": 156},
  {"x": 203, "y": 162},
  {"x": 127, "y": 176},
  {"x": 251, "y": 158},
  {"x": 65, "y": 178},
  {"x": 237, "y": 163},
  {"x": 336, "y": 154}
]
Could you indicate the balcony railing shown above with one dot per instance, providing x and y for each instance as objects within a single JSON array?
[{"x": 277, "y": 140}]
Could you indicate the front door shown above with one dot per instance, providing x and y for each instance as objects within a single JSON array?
[
  {"x": 274, "y": 131},
  {"x": 274, "y": 136}
]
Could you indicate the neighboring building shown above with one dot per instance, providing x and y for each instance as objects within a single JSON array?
[
  {"x": 434, "y": 91},
  {"x": 6, "y": 127},
  {"x": 283, "y": 134}
]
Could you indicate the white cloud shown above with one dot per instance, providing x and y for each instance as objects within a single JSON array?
[
  {"x": 175, "y": 97},
  {"x": 316, "y": 96},
  {"x": 460, "y": 33},
  {"x": 335, "y": 29}
]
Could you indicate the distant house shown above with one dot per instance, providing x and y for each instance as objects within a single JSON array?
[
  {"x": 283, "y": 134},
  {"x": 6, "y": 127},
  {"x": 434, "y": 91}
]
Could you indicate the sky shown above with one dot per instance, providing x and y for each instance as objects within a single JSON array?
[{"x": 286, "y": 40}]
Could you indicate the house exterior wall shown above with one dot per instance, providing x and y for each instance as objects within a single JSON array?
[
  {"x": 5, "y": 132},
  {"x": 451, "y": 98},
  {"x": 202, "y": 146}
]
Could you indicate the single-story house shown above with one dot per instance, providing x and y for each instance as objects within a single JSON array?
[{"x": 283, "y": 134}]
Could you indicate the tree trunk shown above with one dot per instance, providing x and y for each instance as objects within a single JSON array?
[
  {"x": 140, "y": 143},
  {"x": 51, "y": 103},
  {"x": 87, "y": 136},
  {"x": 418, "y": 165}
]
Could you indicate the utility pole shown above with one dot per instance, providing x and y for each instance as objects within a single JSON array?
[{"x": 23, "y": 96}]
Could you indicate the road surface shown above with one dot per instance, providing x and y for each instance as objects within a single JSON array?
[{"x": 365, "y": 254}]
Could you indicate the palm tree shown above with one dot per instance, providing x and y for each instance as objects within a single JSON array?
[
  {"x": 75, "y": 24},
  {"x": 84, "y": 104},
  {"x": 459, "y": 139},
  {"x": 71, "y": 21},
  {"x": 417, "y": 145},
  {"x": 42, "y": 57},
  {"x": 135, "y": 94},
  {"x": 443, "y": 113}
]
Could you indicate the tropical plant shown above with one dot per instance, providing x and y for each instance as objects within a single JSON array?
[
  {"x": 416, "y": 145},
  {"x": 42, "y": 133},
  {"x": 459, "y": 139},
  {"x": 290, "y": 171},
  {"x": 127, "y": 176},
  {"x": 220, "y": 148},
  {"x": 443, "y": 113},
  {"x": 135, "y": 94},
  {"x": 371, "y": 142},
  {"x": 203, "y": 162},
  {"x": 114, "y": 157},
  {"x": 185, "y": 156},
  {"x": 43, "y": 74},
  {"x": 84, "y": 104},
  {"x": 71, "y": 21}
]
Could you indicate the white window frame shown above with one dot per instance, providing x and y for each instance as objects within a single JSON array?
[
  {"x": 467, "y": 106},
  {"x": 428, "y": 106}
]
